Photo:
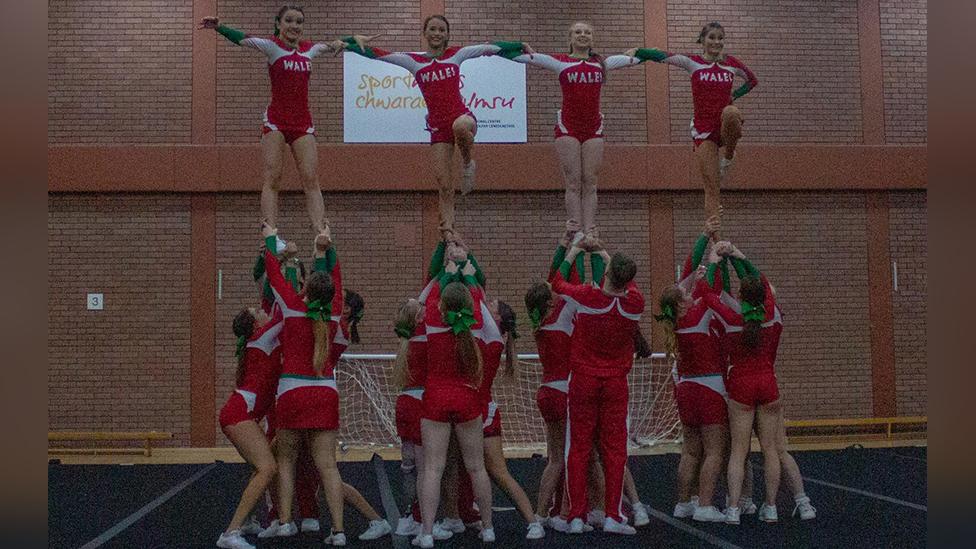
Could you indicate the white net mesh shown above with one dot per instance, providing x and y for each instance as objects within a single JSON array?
[{"x": 368, "y": 400}]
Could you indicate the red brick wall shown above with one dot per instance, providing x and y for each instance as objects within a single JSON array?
[
  {"x": 804, "y": 54},
  {"x": 909, "y": 233},
  {"x": 126, "y": 367},
  {"x": 243, "y": 88},
  {"x": 812, "y": 246},
  {"x": 903, "y": 49},
  {"x": 119, "y": 72},
  {"x": 547, "y": 30}
]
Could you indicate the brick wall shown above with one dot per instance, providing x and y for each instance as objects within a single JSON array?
[
  {"x": 243, "y": 88},
  {"x": 126, "y": 367},
  {"x": 812, "y": 246},
  {"x": 805, "y": 55},
  {"x": 909, "y": 233},
  {"x": 903, "y": 51},
  {"x": 119, "y": 72},
  {"x": 547, "y": 31}
]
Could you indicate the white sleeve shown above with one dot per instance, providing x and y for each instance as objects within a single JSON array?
[
  {"x": 542, "y": 60},
  {"x": 318, "y": 49},
  {"x": 476, "y": 50},
  {"x": 401, "y": 60},
  {"x": 265, "y": 46},
  {"x": 620, "y": 61}
]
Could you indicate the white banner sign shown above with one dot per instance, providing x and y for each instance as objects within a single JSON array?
[{"x": 382, "y": 103}]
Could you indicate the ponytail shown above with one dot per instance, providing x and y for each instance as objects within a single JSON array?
[
  {"x": 243, "y": 327},
  {"x": 507, "y": 327},
  {"x": 457, "y": 304},
  {"x": 400, "y": 366},
  {"x": 641, "y": 347},
  {"x": 469, "y": 356},
  {"x": 668, "y": 302},
  {"x": 356, "y": 305},
  {"x": 321, "y": 330},
  {"x": 319, "y": 291},
  {"x": 752, "y": 291}
]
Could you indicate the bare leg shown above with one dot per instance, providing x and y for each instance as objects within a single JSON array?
[
  {"x": 789, "y": 467},
  {"x": 592, "y": 151},
  {"x": 688, "y": 465},
  {"x": 287, "y": 442},
  {"x": 307, "y": 160},
  {"x": 449, "y": 482},
  {"x": 322, "y": 445},
  {"x": 464, "y": 130},
  {"x": 569, "y": 151},
  {"x": 470, "y": 440},
  {"x": 707, "y": 155},
  {"x": 555, "y": 448},
  {"x": 713, "y": 441},
  {"x": 731, "y": 129},
  {"x": 436, "y": 436},
  {"x": 498, "y": 471},
  {"x": 740, "y": 425},
  {"x": 442, "y": 157},
  {"x": 352, "y": 496},
  {"x": 769, "y": 427},
  {"x": 272, "y": 148},
  {"x": 252, "y": 444},
  {"x": 409, "y": 471}
]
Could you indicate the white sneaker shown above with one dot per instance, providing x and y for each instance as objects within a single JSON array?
[
  {"x": 376, "y": 530},
  {"x": 487, "y": 535},
  {"x": 233, "y": 540},
  {"x": 723, "y": 166},
  {"x": 708, "y": 513},
  {"x": 467, "y": 177},
  {"x": 271, "y": 531},
  {"x": 575, "y": 526},
  {"x": 455, "y": 525},
  {"x": 310, "y": 525},
  {"x": 440, "y": 533},
  {"x": 641, "y": 517},
  {"x": 536, "y": 531},
  {"x": 611, "y": 526},
  {"x": 803, "y": 507},
  {"x": 767, "y": 513},
  {"x": 406, "y": 526},
  {"x": 337, "y": 540},
  {"x": 286, "y": 530},
  {"x": 684, "y": 509},
  {"x": 252, "y": 526},
  {"x": 423, "y": 540},
  {"x": 558, "y": 524},
  {"x": 747, "y": 506},
  {"x": 732, "y": 515},
  {"x": 595, "y": 518}
]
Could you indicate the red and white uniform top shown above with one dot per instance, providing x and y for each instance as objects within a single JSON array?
[
  {"x": 290, "y": 70},
  {"x": 744, "y": 360},
  {"x": 439, "y": 78},
  {"x": 443, "y": 366},
  {"x": 711, "y": 87},
  {"x": 417, "y": 360},
  {"x": 262, "y": 365},
  {"x": 492, "y": 344},
  {"x": 297, "y": 337},
  {"x": 581, "y": 81},
  {"x": 554, "y": 337},
  {"x": 603, "y": 338}
]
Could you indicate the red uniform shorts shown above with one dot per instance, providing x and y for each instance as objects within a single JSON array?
[
  {"x": 291, "y": 134},
  {"x": 409, "y": 410},
  {"x": 699, "y": 405},
  {"x": 493, "y": 420},
  {"x": 308, "y": 408},
  {"x": 552, "y": 404},
  {"x": 445, "y": 134},
  {"x": 235, "y": 410},
  {"x": 581, "y": 134},
  {"x": 752, "y": 388},
  {"x": 451, "y": 404}
]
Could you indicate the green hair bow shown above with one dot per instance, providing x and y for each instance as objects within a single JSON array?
[
  {"x": 460, "y": 321},
  {"x": 667, "y": 313},
  {"x": 536, "y": 317},
  {"x": 402, "y": 332},
  {"x": 319, "y": 311},
  {"x": 753, "y": 313},
  {"x": 241, "y": 344}
]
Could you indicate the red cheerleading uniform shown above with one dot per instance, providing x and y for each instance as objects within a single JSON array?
[
  {"x": 553, "y": 340},
  {"x": 581, "y": 81},
  {"x": 751, "y": 378},
  {"x": 304, "y": 399},
  {"x": 255, "y": 394},
  {"x": 449, "y": 397},
  {"x": 699, "y": 385},
  {"x": 439, "y": 79},
  {"x": 601, "y": 356},
  {"x": 409, "y": 404},
  {"x": 492, "y": 345}
]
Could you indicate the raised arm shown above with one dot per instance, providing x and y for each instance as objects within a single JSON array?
[
  {"x": 560, "y": 283},
  {"x": 436, "y": 261},
  {"x": 237, "y": 36},
  {"x": 743, "y": 72},
  {"x": 327, "y": 260},
  {"x": 405, "y": 60},
  {"x": 542, "y": 60},
  {"x": 284, "y": 294},
  {"x": 660, "y": 56}
]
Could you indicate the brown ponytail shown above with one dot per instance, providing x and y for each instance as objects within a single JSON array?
[
  {"x": 753, "y": 292},
  {"x": 243, "y": 327},
  {"x": 455, "y": 297},
  {"x": 538, "y": 298},
  {"x": 507, "y": 326},
  {"x": 668, "y": 302},
  {"x": 319, "y": 287},
  {"x": 404, "y": 326}
]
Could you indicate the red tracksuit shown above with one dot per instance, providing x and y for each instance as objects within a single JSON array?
[{"x": 601, "y": 356}]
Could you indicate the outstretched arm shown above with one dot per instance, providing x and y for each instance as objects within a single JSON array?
[{"x": 661, "y": 56}]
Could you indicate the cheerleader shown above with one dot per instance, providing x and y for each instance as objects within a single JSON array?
[
  {"x": 717, "y": 123},
  {"x": 287, "y": 120},
  {"x": 409, "y": 374},
  {"x": 258, "y": 363},
  {"x": 579, "y": 123},
  {"x": 450, "y": 123}
]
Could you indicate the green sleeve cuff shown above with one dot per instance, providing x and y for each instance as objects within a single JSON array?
[
  {"x": 510, "y": 50},
  {"x": 479, "y": 275},
  {"x": 321, "y": 265},
  {"x": 271, "y": 243},
  {"x": 437, "y": 259},
  {"x": 726, "y": 279},
  {"x": 231, "y": 34},
  {"x": 331, "y": 259},
  {"x": 469, "y": 280},
  {"x": 564, "y": 269},
  {"x": 650, "y": 54},
  {"x": 291, "y": 275},
  {"x": 744, "y": 268},
  {"x": 353, "y": 47},
  {"x": 710, "y": 273},
  {"x": 580, "y": 266},
  {"x": 258, "y": 270},
  {"x": 558, "y": 257},
  {"x": 598, "y": 267},
  {"x": 741, "y": 90},
  {"x": 698, "y": 251}
]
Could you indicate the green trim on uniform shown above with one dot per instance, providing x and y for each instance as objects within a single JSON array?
[
  {"x": 651, "y": 54},
  {"x": 231, "y": 34}
]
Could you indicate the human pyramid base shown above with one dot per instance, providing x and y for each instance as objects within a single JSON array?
[{"x": 453, "y": 335}]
